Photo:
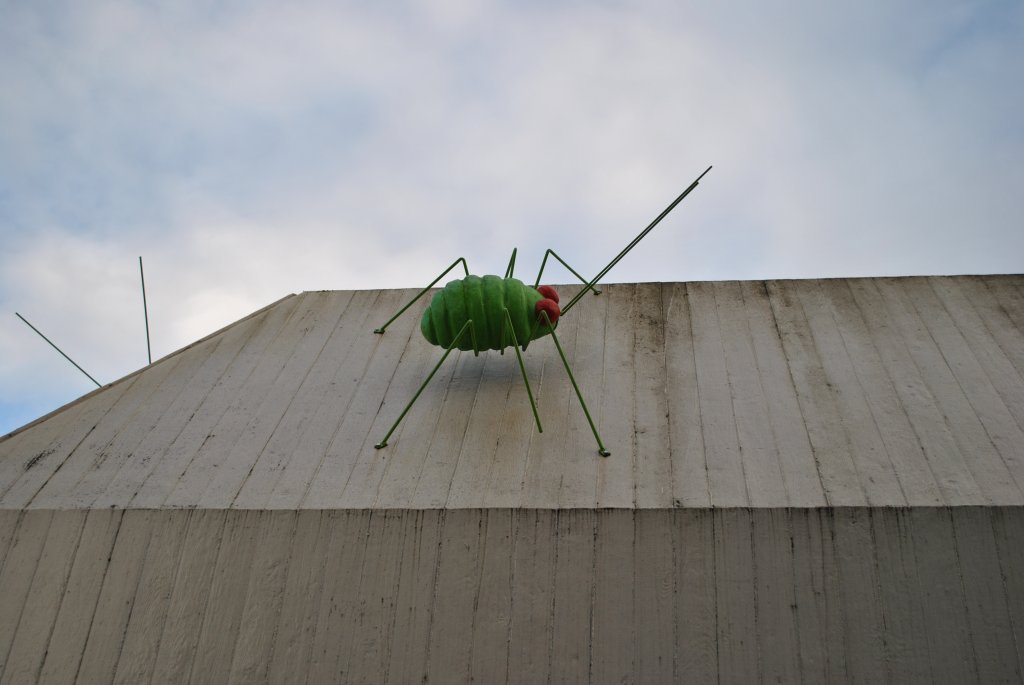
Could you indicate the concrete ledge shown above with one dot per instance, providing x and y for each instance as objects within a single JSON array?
[
  {"x": 512, "y": 595},
  {"x": 846, "y": 392}
]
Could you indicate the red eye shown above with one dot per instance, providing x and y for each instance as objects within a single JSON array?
[
  {"x": 549, "y": 306},
  {"x": 548, "y": 292}
]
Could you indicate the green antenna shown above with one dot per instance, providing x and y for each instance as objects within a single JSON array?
[{"x": 633, "y": 244}]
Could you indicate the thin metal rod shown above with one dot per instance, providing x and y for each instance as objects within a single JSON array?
[
  {"x": 465, "y": 267},
  {"x": 636, "y": 240},
  {"x": 145, "y": 311},
  {"x": 58, "y": 349},
  {"x": 600, "y": 445},
  {"x": 566, "y": 265},
  {"x": 511, "y": 264},
  {"x": 469, "y": 324},
  {"x": 522, "y": 367}
]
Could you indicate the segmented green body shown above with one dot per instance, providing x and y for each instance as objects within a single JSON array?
[{"x": 484, "y": 300}]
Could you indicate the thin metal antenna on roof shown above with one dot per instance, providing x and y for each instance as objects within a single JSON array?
[
  {"x": 145, "y": 310},
  {"x": 58, "y": 349}
]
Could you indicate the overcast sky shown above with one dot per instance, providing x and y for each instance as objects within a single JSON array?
[{"x": 254, "y": 149}]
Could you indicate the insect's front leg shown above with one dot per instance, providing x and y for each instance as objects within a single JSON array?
[
  {"x": 423, "y": 292},
  {"x": 507, "y": 325},
  {"x": 468, "y": 326}
]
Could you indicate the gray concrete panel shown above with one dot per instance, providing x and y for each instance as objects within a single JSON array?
[
  {"x": 845, "y": 392},
  {"x": 813, "y": 595}
]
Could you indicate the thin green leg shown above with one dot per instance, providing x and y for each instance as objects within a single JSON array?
[
  {"x": 401, "y": 311},
  {"x": 511, "y": 264},
  {"x": 544, "y": 262},
  {"x": 469, "y": 324},
  {"x": 600, "y": 445},
  {"x": 507, "y": 325}
]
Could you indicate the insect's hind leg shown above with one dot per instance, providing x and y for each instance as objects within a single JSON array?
[
  {"x": 401, "y": 311},
  {"x": 455, "y": 341},
  {"x": 558, "y": 346},
  {"x": 506, "y": 325},
  {"x": 552, "y": 253}
]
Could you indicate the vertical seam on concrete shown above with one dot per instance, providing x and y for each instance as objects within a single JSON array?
[
  {"x": 163, "y": 450},
  {"x": 796, "y": 395},
  {"x": 963, "y": 590},
  {"x": 995, "y": 448},
  {"x": 877, "y": 588},
  {"x": 513, "y": 532},
  {"x": 291, "y": 399},
  {"x": 191, "y": 516},
  {"x": 242, "y": 383},
  {"x": 831, "y": 391},
  {"x": 485, "y": 523},
  {"x": 1000, "y": 558},
  {"x": 753, "y": 568},
  {"x": 826, "y": 518},
  {"x": 465, "y": 430},
  {"x": 286, "y": 566},
  {"x": 971, "y": 348},
  {"x": 674, "y": 516},
  {"x": 150, "y": 524},
  {"x": 430, "y": 441},
  {"x": 492, "y": 457},
  {"x": 132, "y": 456},
  {"x": 867, "y": 401},
  {"x": 999, "y": 305},
  {"x": 760, "y": 386},
  {"x": 926, "y": 386},
  {"x": 199, "y": 404},
  {"x": 633, "y": 455},
  {"x": 104, "y": 451},
  {"x": 696, "y": 387},
  {"x": 14, "y": 535},
  {"x": 553, "y": 516},
  {"x": 595, "y": 526},
  {"x": 870, "y": 338},
  {"x": 732, "y": 398},
  {"x": 673, "y": 500},
  {"x": 92, "y": 614},
  {"x": 6, "y": 654},
  {"x": 634, "y": 662},
  {"x": 398, "y": 582},
  {"x": 346, "y": 650},
  {"x": 795, "y": 607},
  {"x": 442, "y": 521},
  {"x": 344, "y": 414},
  {"x": 262, "y": 520},
  {"x": 713, "y": 514},
  {"x": 60, "y": 591},
  {"x": 917, "y": 581},
  {"x": 437, "y": 421}
]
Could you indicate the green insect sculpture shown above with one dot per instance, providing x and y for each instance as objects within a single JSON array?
[{"x": 494, "y": 312}]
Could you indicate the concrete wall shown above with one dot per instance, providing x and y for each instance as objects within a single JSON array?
[
  {"x": 733, "y": 595},
  {"x": 848, "y": 392},
  {"x": 817, "y": 481}
]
